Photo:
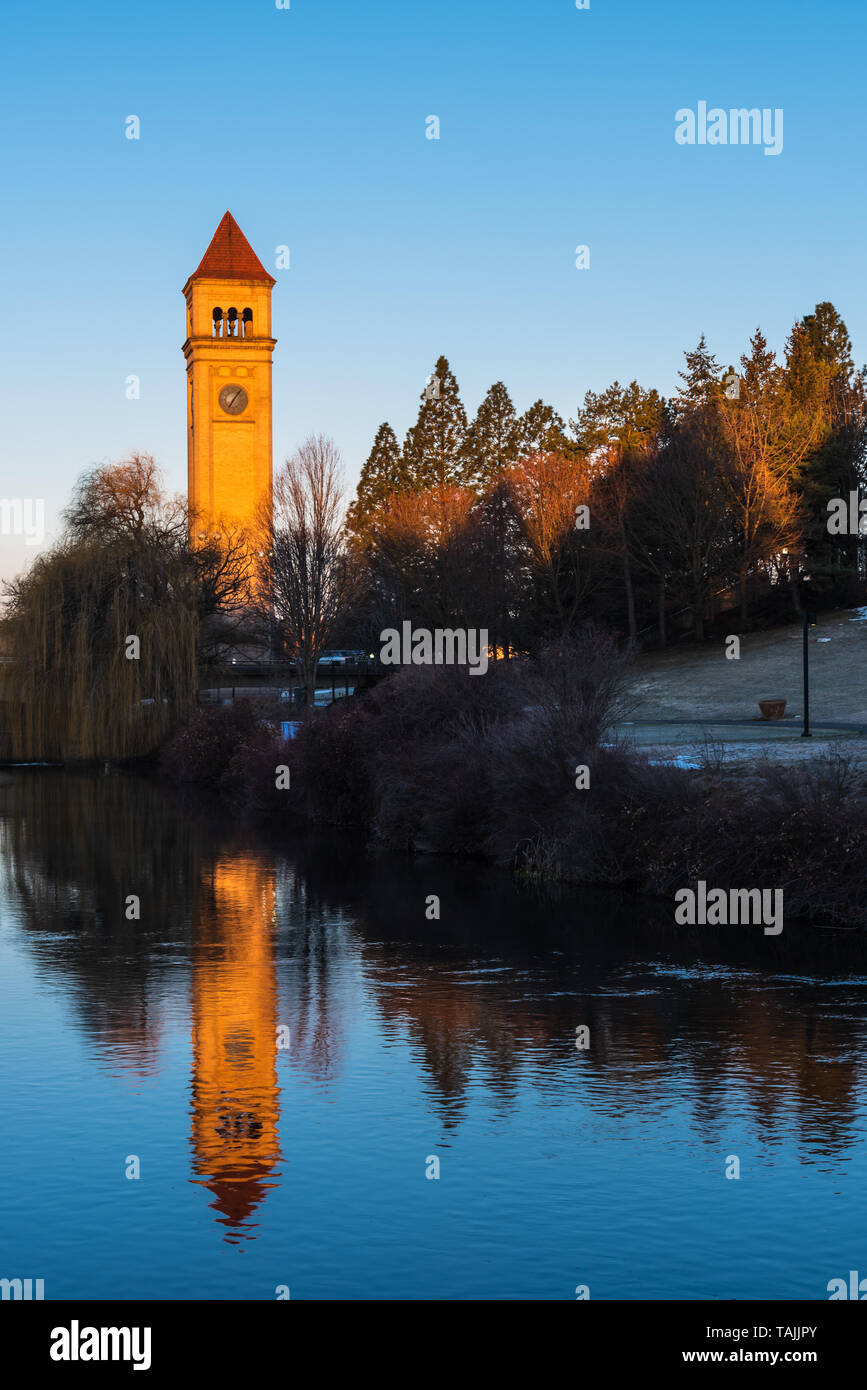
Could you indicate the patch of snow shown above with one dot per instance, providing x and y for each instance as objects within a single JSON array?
[{"x": 679, "y": 761}]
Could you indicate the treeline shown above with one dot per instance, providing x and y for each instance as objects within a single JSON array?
[
  {"x": 647, "y": 515},
  {"x": 642, "y": 512}
]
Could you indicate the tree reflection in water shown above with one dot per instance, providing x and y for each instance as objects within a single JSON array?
[{"x": 281, "y": 927}]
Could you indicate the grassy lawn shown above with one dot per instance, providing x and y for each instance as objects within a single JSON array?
[{"x": 689, "y": 695}]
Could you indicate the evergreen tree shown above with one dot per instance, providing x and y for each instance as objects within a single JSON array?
[
  {"x": 829, "y": 340},
  {"x": 490, "y": 451},
  {"x": 540, "y": 430},
  {"x": 626, "y": 416},
  {"x": 765, "y": 440},
  {"x": 433, "y": 452},
  {"x": 701, "y": 380},
  {"x": 619, "y": 430},
  {"x": 760, "y": 371},
  {"x": 492, "y": 441},
  {"x": 382, "y": 476},
  {"x": 820, "y": 376}
]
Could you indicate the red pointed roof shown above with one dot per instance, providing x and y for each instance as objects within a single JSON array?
[{"x": 230, "y": 256}]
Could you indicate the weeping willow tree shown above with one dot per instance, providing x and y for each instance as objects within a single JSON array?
[
  {"x": 101, "y": 634},
  {"x": 101, "y": 643}
]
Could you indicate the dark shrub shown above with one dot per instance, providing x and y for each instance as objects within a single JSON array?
[
  {"x": 801, "y": 828},
  {"x": 232, "y": 748},
  {"x": 329, "y": 755},
  {"x": 429, "y": 754},
  {"x": 439, "y": 759}
]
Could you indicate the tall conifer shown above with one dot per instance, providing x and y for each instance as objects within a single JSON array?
[
  {"x": 492, "y": 439},
  {"x": 433, "y": 452}
]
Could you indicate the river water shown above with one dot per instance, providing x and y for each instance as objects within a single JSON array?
[{"x": 285, "y": 1050}]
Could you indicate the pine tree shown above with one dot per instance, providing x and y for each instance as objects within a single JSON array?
[
  {"x": 829, "y": 339},
  {"x": 492, "y": 442},
  {"x": 760, "y": 371},
  {"x": 626, "y": 416},
  {"x": 540, "y": 430},
  {"x": 820, "y": 376},
  {"x": 701, "y": 380},
  {"x": 433, "y": 452},
  {"x": 618, "y": 431},
  {"x": 382, "y": 476}
]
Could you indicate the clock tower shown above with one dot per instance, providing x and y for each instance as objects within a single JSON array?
[{"x": 228, "y": 350}]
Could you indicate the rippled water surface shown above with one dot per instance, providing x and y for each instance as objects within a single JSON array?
[{"x": 409, "y": 1040}]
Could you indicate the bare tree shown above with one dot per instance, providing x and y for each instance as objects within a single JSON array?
[
  {"x": 311, "y": 580},
  {"x": 222, "y": 566},
  {"x": 208, "y": 561},
  {"x": 126, "y": 501}
]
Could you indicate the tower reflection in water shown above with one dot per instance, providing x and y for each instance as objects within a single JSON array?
[{"x": 235, "y": 1096}]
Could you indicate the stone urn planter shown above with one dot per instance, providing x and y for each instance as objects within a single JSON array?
[{"x": 772, "y": 709}]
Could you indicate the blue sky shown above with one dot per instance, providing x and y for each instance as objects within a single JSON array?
[{"x": 557, "y": 128}]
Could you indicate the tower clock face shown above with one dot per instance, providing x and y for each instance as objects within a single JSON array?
[{"x": 233, "y": 399}]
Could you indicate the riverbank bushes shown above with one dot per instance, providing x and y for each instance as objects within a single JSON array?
[
  {"x": 230, "y": 750},
  {"x": 518, "y": 767}
]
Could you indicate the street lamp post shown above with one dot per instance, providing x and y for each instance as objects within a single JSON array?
[
  {"x": 806, "y": 731},
  {"x": 809, "y": 621}
]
